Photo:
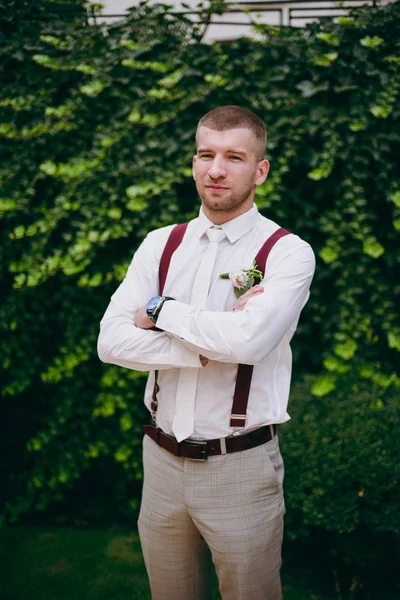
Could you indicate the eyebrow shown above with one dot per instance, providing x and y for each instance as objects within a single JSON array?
[{"x": 242, "y": 152}]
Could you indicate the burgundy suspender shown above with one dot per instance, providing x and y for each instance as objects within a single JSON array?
[
  {"x": 175, "y": 238},
  {"x": 261, "y": 258},
  {"x": 245, "y": 372}
]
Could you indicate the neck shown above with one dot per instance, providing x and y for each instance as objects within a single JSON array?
[{"x": 219, "y": 217}]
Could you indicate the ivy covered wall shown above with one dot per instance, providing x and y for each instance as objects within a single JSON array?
[{"x": 97, "y": 133}]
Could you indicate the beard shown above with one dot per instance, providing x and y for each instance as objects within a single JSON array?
[{"x": 229, "y": 202}]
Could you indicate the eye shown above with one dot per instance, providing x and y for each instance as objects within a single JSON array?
[
  {"x": 233, "y": 157},
  {"x": 205, "y": 155}
]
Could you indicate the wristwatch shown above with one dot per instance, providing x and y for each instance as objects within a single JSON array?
[{"x": 154, "y": 306}]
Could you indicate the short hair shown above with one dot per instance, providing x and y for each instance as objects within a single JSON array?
[{"x": 235, "y": 117}]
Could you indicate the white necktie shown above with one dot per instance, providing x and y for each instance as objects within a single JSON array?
[{"x": 183, "y": 423}]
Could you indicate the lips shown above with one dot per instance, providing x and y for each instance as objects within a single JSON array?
[{"x": 216, "y": 187}]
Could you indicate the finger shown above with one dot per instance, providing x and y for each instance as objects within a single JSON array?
[
  {"x": 257, "y": 289},
  {"x": 250, "y": 293},
  {"x": 242, "y": 300}
]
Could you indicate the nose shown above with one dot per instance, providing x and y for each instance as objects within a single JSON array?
[{"x": 217, "y": 169}]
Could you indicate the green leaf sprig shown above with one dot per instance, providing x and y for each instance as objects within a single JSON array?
[{"x": 243, "y": 279}]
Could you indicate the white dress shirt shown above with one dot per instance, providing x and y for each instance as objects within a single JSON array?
[{"x": 259, "y": 335}]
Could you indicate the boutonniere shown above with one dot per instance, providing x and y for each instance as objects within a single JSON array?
[{"x": 243, "y": 279}]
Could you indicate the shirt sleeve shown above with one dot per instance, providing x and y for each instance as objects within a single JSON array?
[
  {"x": 248, "y": 336},
  {"x": 123, "y": 344}
]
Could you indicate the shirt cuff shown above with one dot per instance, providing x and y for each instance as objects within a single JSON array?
[{"x": 172, "y": 315}]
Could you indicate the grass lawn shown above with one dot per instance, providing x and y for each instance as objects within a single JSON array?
[{"x": 39, "y": 563}]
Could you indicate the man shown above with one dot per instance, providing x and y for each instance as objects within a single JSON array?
[{"x": 213, "y": 478}]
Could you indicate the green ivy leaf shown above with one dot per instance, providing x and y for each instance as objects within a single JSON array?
[
  {"x": 324, "y": 384},
  {"x": 346, "y": 21},
  {"x": 126, "y": 422},
  {"x": 393, "y": 59},
  {"x": 217, "y": 80},
  {"x": 122, "y": 454},
  {"x": 86, "y": 69},
  {"x": 48, "y": 167},
  {"x": 142, "y": 189},
  {"x": 41, "y": 59},
  {"x": 134, "y": 117},
  {"x": 395, "y": 198},
  {"x": 394, "y": 340},
  {"x": 115, "y": 213},
  {"x": 329, "y": 38},
  {"x": 346, "y": 350},
  {"x": 136, "y": 205},
  {"x": 321, "y": 172},
  {"x": 366, "y": 371},
  {"x": 377, "y": 405},
  {"x": 155, "y": 66},
  {"x": 329, "y": 254},
  {"x": 357, "y": 125},
  {"x": 93, "y": 89},
  {"x": 381, "y": 111},
  {"x": 373, "y": 248},
  {"x": 127, "y": 43},
  {"x": 19, "y": 232},
  {"x": 173, "y": 79},
  {"x": 7, "y": 204},
  {"x": 371, "y": 42},
  {"x": 331, "y": 363},
  {"x": 159, "y": 94},
  {"x": 325, "y": 60}
]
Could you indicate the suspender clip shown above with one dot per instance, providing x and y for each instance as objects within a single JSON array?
[{"x": 237, "y": 432}]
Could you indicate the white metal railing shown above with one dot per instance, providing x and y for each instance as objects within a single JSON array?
[{"x": 238, "y": 17}]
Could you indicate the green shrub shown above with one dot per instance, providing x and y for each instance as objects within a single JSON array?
[{"x": 342, "y": 473}]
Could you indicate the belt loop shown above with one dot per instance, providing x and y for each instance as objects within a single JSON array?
[
  {"x": 222, "y": 444},
  {"x": 271, "y": 428}
]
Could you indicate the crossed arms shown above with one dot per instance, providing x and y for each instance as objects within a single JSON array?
[{"x": 245, "y": 336}]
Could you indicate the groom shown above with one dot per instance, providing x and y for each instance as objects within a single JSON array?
[{"x": 219, "y": 357}]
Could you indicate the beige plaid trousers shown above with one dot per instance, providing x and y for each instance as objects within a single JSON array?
[{"x": 230, "y": 505}]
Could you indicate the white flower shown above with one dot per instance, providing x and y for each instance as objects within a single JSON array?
[{"x": 239, "y": 279}]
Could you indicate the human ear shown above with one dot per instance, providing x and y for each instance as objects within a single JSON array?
[{"x": 262, "y": 171}]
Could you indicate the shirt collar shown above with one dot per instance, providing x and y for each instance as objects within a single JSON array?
[{"x": 234, "y": 229}]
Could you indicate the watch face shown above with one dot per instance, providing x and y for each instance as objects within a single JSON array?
[{"x": 153, "y": 303}]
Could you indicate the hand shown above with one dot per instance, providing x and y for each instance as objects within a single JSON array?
[
  {"x": 141, "y": 319},
  {"x": 243, "y": 300}
]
